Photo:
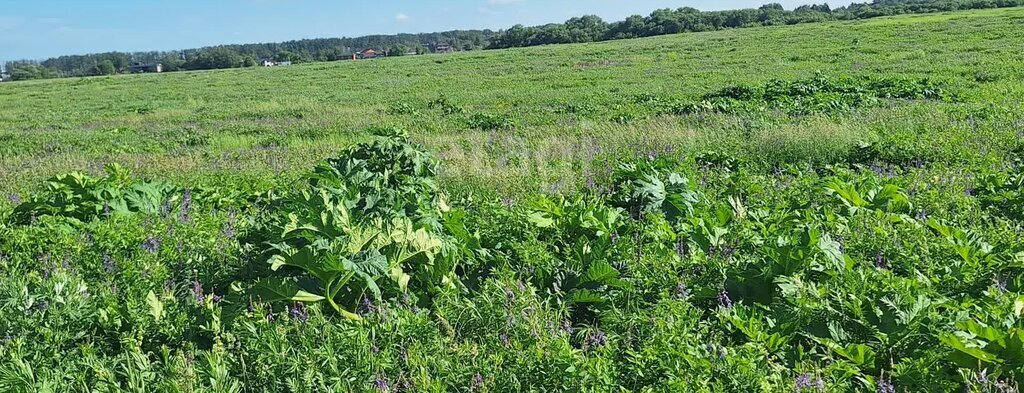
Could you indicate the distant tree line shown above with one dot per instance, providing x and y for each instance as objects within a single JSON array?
[
  {"x": 588, "y": 28},
  {"x": 667, "y": 21},
  {"x": 247, "y": 55}
]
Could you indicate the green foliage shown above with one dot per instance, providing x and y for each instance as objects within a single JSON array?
[
  {"x": 874, "y": 251},
  {"x": 1003, "y": 191},
  {"x": 643, "y": 188},
  {"x": 581, "y": 233},
  {"x": 83, "y": 197},
  {"x": 816, "y": 95},
  {"x": 490, "y": 121},
  {"x": 371, "y": 214}
]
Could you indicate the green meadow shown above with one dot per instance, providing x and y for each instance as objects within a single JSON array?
[{"x": 820, "y": 207}]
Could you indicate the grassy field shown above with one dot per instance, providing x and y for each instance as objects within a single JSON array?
[
  {"x": 823, "y": 207},
  {"x": 194, "y": 127}
]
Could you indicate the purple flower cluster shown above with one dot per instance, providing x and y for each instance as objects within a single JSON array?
[
  {"x": 880, "y": 261},
  {"x": 299, "y": 313},
  {"x": 152, "y": 244},
  {"x": 230, "y": 228},
  {"x": 596, "y": 338},
  {"x": 885, "y": 385},
  {"x": 478, "y": 382},
  {"x": 381, "y": 384},
  {"x": 682, "y": 249},
  {"x": 567, "y": 327},
  {"x": 682, "y": 291},
  {"x": 808, "y": 381},
  {"x": 366, "y": 306},
  {"x": 197, "y": 291},
  {"x": 108, "y": 264},
  {"x": 186, "y": 205},
  {"x": 15, "y": 199}
]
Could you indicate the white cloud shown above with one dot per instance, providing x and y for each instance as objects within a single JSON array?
[{"x": 401, "y": 17}]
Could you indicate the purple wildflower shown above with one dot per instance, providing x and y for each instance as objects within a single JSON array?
[
  {"x": 982, "y": 376},
  {"x": 504, "y": 339},
  {"x": 15, "y": 199},
  {"x": 509, "y": 295},
  {"x": 922, "y": 215},
  {"x": 299, "y": 313},
  {"x": 216, "y": 298},
  {"x": 507, "y": 201},
  {"x": 403, "y": 353},
  {"x": 270, "y": 314},
  {"x": 367, "y": 306},
  {"x": 808, "y": 381},
  {"x": 478, "y": 381},
  {"x": 723, "y": 299},
  {"x": 43, "y": 305},
  {"x": 682, "y": 291},
  {"x": 880, "y": 261},
  {"x": 591, "y": 183},
  {"x": 186, "y": 205},
  {"x": 106, "y": 210},
  {"x": 885, "y": 385},
  {"x": 615, "y": 237},
  {"x": 229, "y": 230},
  {"x": 804, "y": 381},
  {"x": 596, "y": 338},
  {"x": 197, "y": 291},
  {"x": 152, "y": 244},
  {"x": 381, "y": 384},
  {"x": 567, "y": 327},
  {"x": 681, "y": 248}
]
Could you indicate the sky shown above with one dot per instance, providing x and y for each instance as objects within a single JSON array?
[{"x": 38, "y": 29}]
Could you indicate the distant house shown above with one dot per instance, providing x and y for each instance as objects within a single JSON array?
[
  {"x": 443, "y": 48},
  {"x": 267, "y": 62},
  {"x": 142, "y": 68},
  {"x": 368, "y": 53},
  {"x": 4, "y": 77},
  {"x": 284, "y": 63}
]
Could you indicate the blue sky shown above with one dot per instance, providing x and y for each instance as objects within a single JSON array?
[{"x": 36, "y": 29}]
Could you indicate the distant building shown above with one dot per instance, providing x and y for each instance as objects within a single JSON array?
[
  {"x": 284, "y": 63},
  {"x": 368, "y": 53},
  {"x": 142, "y": 68},
  {"x": 267, "y": 63},
  {"x": 443, "y": 48},
  {"x": 4, "y": 77}
]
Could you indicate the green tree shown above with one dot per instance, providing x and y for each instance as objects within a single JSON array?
[{"x": 105, "y": 67}]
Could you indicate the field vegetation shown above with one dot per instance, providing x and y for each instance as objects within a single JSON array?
[{"x": 810, "y": 208}]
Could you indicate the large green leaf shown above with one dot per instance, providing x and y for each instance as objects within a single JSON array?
[{"x": 279, "y": 289}]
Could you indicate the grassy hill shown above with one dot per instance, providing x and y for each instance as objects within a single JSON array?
[
  {"x": 822, "y": 207},
  {"x": 259, "y": 121}
]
